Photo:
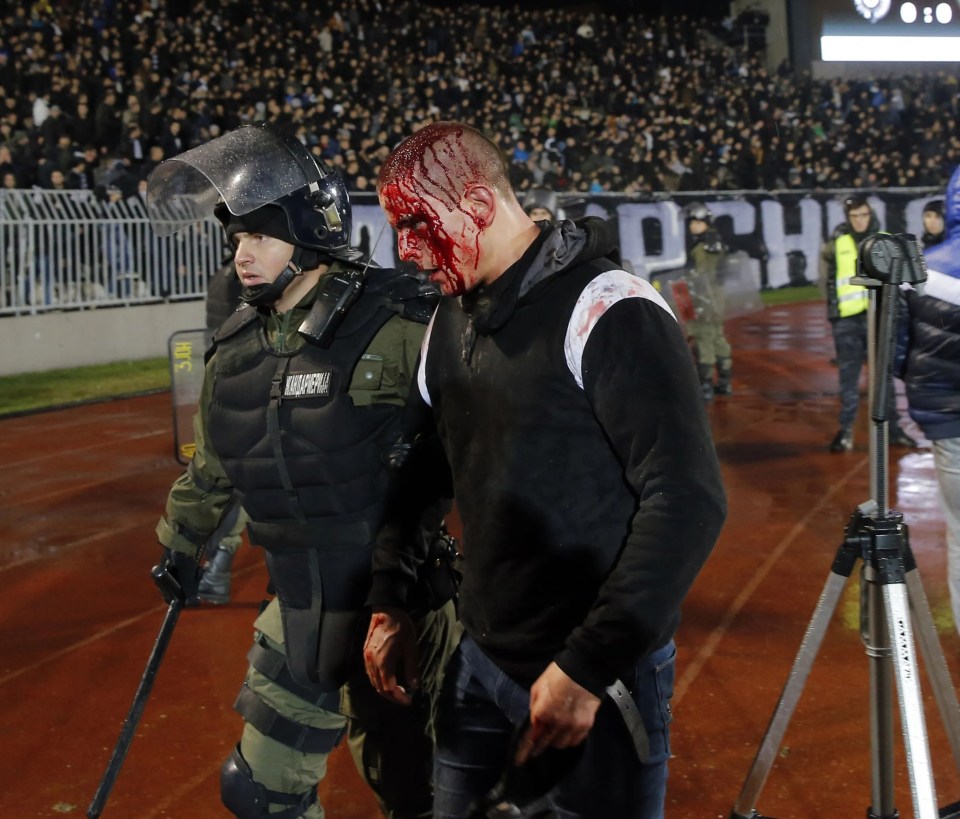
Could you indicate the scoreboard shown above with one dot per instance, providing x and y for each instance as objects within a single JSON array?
[{"x": 888, "y": 30}]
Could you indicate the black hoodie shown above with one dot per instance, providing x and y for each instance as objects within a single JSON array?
[{"x": 569, "y": 409}]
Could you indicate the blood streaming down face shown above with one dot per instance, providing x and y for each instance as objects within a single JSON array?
[{"x": 421, "y": 188}]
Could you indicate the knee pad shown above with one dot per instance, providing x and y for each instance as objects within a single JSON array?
[{"x": 247, "y": 799}]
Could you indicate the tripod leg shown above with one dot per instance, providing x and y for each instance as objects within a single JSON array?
[
  {"x": 911, "y": 705},
  {"x": 876, "y": 643},
  {"x": 812, "y": 640},
  {"x": 935, "y": 662}
]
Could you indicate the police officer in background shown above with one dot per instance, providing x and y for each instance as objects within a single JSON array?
[
  {"x": 707, "y": 260},
  {"x": 300, "y": 410},
  {"x": 847, "y": 305}
]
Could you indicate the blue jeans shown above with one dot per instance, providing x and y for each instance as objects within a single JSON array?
[{"x": 480, "y": 706}]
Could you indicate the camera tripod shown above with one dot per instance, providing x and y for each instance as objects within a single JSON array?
[{"x": 891, "y": 595}]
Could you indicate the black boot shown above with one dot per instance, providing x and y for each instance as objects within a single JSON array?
[
  {"x": 706, "y": 380},
  {"x": 215, "y": 581},
  {"x": 900, "y": 438},
  {"x": 842, "y": 441},
  {"x": 724, "y": 376}
]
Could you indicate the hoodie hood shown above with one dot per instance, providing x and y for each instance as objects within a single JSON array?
[
  {"x": 946, "y": 255},
  {"x": 873, "y": 227},
  {"x": 943, "y": 260},
  {"x": 572, "y": 243},
  {"x": 560, "y": 246}
]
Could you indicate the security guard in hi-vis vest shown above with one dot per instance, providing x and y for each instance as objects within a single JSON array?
[
  {"x": 299, "y": 413},
  {"x": 847, "y": 305}
]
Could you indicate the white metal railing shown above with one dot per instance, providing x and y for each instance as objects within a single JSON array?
[{"x": 73, "y": 250}]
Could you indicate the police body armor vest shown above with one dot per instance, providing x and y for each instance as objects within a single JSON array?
[
  {"x": 852, "y": 299},
  {"x": 309, "y": 463},
  {"x": 706, "y": 289}
]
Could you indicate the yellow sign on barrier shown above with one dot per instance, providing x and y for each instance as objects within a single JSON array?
[{"x": 186, "y": 350}]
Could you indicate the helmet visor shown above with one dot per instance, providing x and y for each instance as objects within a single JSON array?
[{"x": 246, "y": 168}]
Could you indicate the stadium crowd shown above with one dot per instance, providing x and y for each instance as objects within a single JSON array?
[{"x": 579, "y": 101}]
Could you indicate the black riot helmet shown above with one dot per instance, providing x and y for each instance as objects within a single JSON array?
[
  {"x": 697, "y": 211},
  {"x": 257, "y": 179}
]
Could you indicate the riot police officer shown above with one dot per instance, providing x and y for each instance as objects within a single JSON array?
[
  {"x": 300, "y": 410},
  {"x": 707, "y": 265}
]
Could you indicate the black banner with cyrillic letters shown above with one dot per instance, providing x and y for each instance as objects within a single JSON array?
[{"x": 781, "y": 232}]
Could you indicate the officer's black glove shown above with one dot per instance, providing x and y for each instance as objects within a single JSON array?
[
  {"x": 185, "y": 571},
  {"x": 712, "y": 242}
]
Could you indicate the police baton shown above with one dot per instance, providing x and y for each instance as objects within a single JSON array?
[{"x": 174, "y": 594}]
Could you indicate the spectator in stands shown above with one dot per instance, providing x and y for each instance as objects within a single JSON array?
[
  {"x": 154, "y": 157},
  {"x": 732, "y": 124},
  {"x": 83, "y": 128},
  {"x": 171, "y": 140},
  {"x": 115, "y": 172},
  {"x": 133, "y": 148},
  {"x": 77, "y": 178},
  {"x": 106, "y": 121},
  {"x": 58, "y": 181},
  {"x": 6, "y": 70},
  {"x": 7, "y": 166},
  {"x": 61, "y": 153},
  {"x": 54, "y": 127}
]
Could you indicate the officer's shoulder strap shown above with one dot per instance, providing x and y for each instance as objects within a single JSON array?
[
  {"x": 240, "y": 318},
  {"x": 403, "y": 294}
]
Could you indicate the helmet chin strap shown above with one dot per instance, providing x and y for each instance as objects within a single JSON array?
[{"x": 266, "y": 294}]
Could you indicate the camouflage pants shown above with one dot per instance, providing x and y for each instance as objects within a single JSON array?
[
  {"x": 391, "y": 745},
  {"x": 229, "y": 534},
  {"x": 710, "y": 340}
]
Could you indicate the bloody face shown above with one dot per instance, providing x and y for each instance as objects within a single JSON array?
[{"x": 422, "y": 193}]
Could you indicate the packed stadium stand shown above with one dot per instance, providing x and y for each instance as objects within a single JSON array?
[{"x": 580, "y": 100}]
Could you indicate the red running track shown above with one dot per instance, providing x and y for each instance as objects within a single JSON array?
[{"x": 82, "y": 488}]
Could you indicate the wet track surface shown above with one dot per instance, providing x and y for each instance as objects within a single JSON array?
[{"x": 81, "y": 490}]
